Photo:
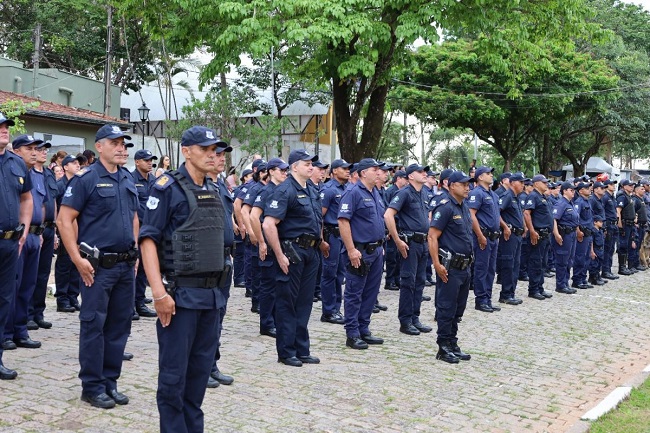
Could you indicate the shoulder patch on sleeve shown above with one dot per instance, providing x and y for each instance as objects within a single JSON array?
[
  {"x": 163, "y": 182},
  {"x": 82, "y": 171},
  {"x": 443, "y": 201}
]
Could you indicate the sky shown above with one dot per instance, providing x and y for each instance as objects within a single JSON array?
[{"x": 644, "y": 3}]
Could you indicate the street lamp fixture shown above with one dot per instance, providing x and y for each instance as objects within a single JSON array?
[{"x": 144, "y": 117}]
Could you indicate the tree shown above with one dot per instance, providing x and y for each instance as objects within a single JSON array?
[
  {"x": 13, "y": 110},
  {"x": 355, "y": 45}
]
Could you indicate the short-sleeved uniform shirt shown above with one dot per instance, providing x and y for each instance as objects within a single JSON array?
[
  {"x": 107, "y": 203},
  {"x": 330, "y": 197},
  {"x": 511, "y": 211},
  {"x": 597, "y": 206},
  {"x": 442, "y": 194},
  {"x": 39, "y": 196},
  {"x": 541, "y": 212},
  {"x": 228, "y": 205},
  {"x": 168, "y": 209},
  {"x": 298, "y": 208},
  {"x": 143, "y": 185},
  {"x": 365, "y": 211},
  {"x": 52, "y": 192},
  {"x": 15, "y": 180},
  {"x": 453, "y": 219},
  {"x": 412, "y": 206},
  {"x": 609, "y": 203},
  {"x": 566, "y": 213},
  {"x": 486, "y": 203},
  {"x": 586, "y": 217}
]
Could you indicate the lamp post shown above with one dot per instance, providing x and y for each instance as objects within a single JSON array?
[{"x": 144, "y": 116}]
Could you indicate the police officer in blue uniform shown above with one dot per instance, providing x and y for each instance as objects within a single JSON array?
[
  {"x": 144, "y": 179},
  {"x": 584, "y": 249},
  {"x": 393, "y": 257},
  {"x": 539, "y": 220},
  {"x": 293, "y": 229},
  {"x": 182, "y": 244},
  {"x": 241, "y": 224},
  {"x": 268, "y": 264},
  {"x": 17, "y": 204},
  {"x": 509, "y": 252},
  {"x": 27, "y": 148},
  {"x": 566, "y": 221},
  {"x": 483, "y": 205},
  {"x": 450, "y": 246},
  {"x": 525, "y": 240},
  {"x": 412, "y": 205},
  {"x": 429, "y": 191},
  {"x": 334, "y": 263},
  {"x": 66, "y": 276},
  {"x": 611, "y": 229},
  {"x": 626, "y": 215},
  {"x": 238, "y": 258},
  {"x": 103, "y": 201},
  {"x": 640, "y": 228},
  {"x": 37, "y": 306},
  {"x": 361, "y": 224},
  {"x": 598, "y": 210}
]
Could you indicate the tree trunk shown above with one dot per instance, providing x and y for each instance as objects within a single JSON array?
[
  {"x": 373, "y": 124},
  {"x": 346, "y": 127}
]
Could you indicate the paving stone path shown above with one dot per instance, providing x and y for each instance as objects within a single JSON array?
[{"x": 536, "y": 367}]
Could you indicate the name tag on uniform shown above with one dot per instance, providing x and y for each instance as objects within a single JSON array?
[
  {"x": 457, "y": 217},
  {"x": 104, "y": 185},
  {"x": 367, "y": 199},
  {"x": 302, "y": 195}
]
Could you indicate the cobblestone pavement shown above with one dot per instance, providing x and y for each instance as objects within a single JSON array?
[{"x": 536, "y": 367}]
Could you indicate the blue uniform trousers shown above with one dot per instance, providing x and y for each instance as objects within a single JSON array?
[
  {"x": 269, "y": 269},
  {"x": 238, "y": 263},
  {"x": 550, "y": 261},
  {"x": 412, "y": 278},
  {"x": 248, "y": 272},
  {"x": 634, "y": 259},
  {"x": 225, "y": 291},
  {"x": 186, "y": 351},
  {"x": 392, "y": 262},
  {"x": 536, "y": 265},
  {"x": 333, "y": 275},
  {"x": 611, "y": 239},
  {"x": 451, "y": 300},
  {"x": 361, "y": 293},
  {"x": 66, "y": 278},
  {"x": 105, "y": 324},
  {"x": 428, "y": 269},
  {"x": 140, "y": 284},
  {"x": 625, "y": 238},
  {"x": 582, "y": 259},
  {"x": 294, "y": 297},
  {"x": 319, "y": 275},
  {"x": 564, "y": 256},
  {"x": 25, "y": 277},
  {"x": 508, "y": 263},
  {"x": 525, "y": 255},
  {"x": 9, "y": 258},
  {"x": 37, "y": 306},
  {"x": 255, "y": 275},
  {"x": 596, "y": 265},
  {"x": 485, "y": 265}
]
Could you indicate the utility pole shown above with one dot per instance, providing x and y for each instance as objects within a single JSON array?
[
  {"x": 36, "y": 58},
  {"x": 109, "y": 60}
]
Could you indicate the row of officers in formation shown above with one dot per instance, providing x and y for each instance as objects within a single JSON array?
[{"x": 290, "y": 239}]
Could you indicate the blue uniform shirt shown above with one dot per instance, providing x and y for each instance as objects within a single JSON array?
[
  {"x": 597, "y": 206},
  {"x": 297, "y": 208},
  {"x": 486, "y": 203},
  {"x": 413, "y": 209},
  {"x": 52, "y": 192},
  {"x": 252, "y": 193},
  {"x": 438, "y": 197},
  {"x": 39, "y": 196},
  {"x": 541, "y": 212},
  {"x": 511, "y": 211},
  {"x": 143, "y": 185},
  {"x": 365, "y": 211},
  {"x": 609, "y": 203},
  {"x": 167, "y": 209},
  {"x": 107, "y": 203},
  {"x": 330, "y": 197},
  {"x": 566, "y": 213},
  {"x": 428, "y": 193},
  {"x": 454, "y": 221},
  {"x": 243, "y": 189},
  {"x": 229, "y": 207},
  {"x": 584, "y": 212},
  {"x": 15, "y": 180}
]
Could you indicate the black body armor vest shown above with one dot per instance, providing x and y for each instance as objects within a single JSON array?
[{"x": 628, "y": 213}]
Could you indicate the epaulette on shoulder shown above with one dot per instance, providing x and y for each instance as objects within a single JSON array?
[
  {"x": 163, "y": 182},
  {"x": 444, "y": 200},
  {"x": 83, "y": 171}
]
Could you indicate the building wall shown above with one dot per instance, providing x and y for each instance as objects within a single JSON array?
[{"x": 71, "y": 137}]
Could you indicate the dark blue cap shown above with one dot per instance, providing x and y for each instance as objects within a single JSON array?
[
  {"x": 599, "y": 185},
  {"x": 200, "y": 136},
  {"x": 505, "y": 175},
  {"x": 582, "y": 185},
  {"x": 338, "y": 163},
  {"x": 399, "y": 173},
  {"x": 27, "y": 140},
  {"x": 70, "y": 158},
  {"x": 415, "y": 167},
  {"x": 516, "y": 177},
  {"x": 257, "y": 162},
  {"x": 277, "y": 163},
  {"x": 3, "y": 120},
  {"x": 144, "y": 154},
  {"x": 386, "y": 165},
  {"x": 301, "y": 155},
  {"x": 446, "y": 173},
  {"x": 432, "y": 173},
  {"x": 223, "y": 146},
  {"x": 540, "y": 178},
  {"x": 245, "y": 173},
  {"x": 459, "y": 176},
  {"x": 367, "y": 163},
  {"x": 320, "y": 164},
  {"x": 609, "y": 182},
  {"x": 567, "y": 185},
  {"x": 598, "y": 218},
  {"x": 528, "y": 182},
  {"x": 625, "y": 182},
  {"x": 262, "y": 167},
  {"x": 110, "y": 131}
]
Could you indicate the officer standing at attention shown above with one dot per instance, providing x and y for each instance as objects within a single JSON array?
[
  {"x": 392, "y": 255},
  {"x": 626, "y": 215},
  {"x": 334, "y": 264},
  {"x": 361, "y": 225},
  {"x": 450, "y": 246},
  {"x": 182, "y": 244},
  {"x": 293, "y": 229},
  {"x": 412, "y": 205},
  {"x": 27, "y": 148},
  {"x": 238, "y": 258},
  {"x": 483, "y": 205},
  {"x": 50, "y": 242},
  {"x": 539, "y": 220},
  {"x": 566, "y": 220},
  {"x": 641, "y": 224},
  {"x": 598, "y": 209},
  {"x": 66, "y": 276},
  {"x": 103, "y": 202},
  {"x": 584, "y": 249},
  {"x": 509, "y": 251},
  {"x": 317, "y": 179},
  {"x": 429, "y": 191},
  {"x": 144, "y": 179},
  {"x": 17, "y": 205},
  {"x": 611, "y": 228}
]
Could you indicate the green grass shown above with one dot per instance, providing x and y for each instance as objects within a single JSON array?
[{"x": 632, "y": 415}]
